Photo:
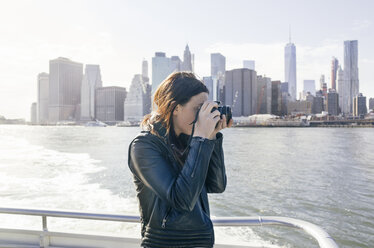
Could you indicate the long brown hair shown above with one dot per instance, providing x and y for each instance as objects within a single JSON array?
[{"x": 177, "y": 88}]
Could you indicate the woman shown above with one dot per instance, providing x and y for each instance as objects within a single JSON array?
[{"x": 176, "y": 161}]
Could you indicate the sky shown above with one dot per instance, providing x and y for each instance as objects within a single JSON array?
[{"x": 118, "y": 35}]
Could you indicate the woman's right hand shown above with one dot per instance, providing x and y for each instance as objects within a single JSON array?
[{"x": 207, "y": 120}]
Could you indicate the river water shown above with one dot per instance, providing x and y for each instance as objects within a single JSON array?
[{"x": 321, "y": 175}]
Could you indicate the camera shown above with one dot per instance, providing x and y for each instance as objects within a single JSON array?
[{"x": 224, "y": 110}]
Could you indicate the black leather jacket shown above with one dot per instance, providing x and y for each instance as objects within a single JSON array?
[{"x": 173, "y": 200}]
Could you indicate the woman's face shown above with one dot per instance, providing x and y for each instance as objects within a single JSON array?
[{"x": 184, "y": 115}]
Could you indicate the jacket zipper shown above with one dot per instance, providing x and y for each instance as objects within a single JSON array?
[
  {"x": 165, "y": 218},
  {"x": 197, "y": 157}
]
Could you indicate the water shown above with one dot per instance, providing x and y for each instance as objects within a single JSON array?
[{"x": 324, "y": 176}]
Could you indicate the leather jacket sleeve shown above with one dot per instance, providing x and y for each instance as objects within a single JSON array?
[
  {"x": 216, "y": 179},
  {"x": 181, "y": 191}
]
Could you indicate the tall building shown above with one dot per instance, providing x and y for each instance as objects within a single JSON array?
[
  {"x": 91, "y": 81},
  {"x": 290, "y": 69},
  {"x": 249, "y": 64},
  {"x": 333, "y": 102},
  {"x": 276, "y": 98},
  {"x": 285, "y": 98},
  {"x": 217, "y": 64},
  {"x": 323, "y": 85},
  {"x": 241, "y": 91},
  {"x": 208, "y": 81},
  {"x": 351, "y": 70},
  {"x": 371, "y": 103},
  {"x": 309, "y": 86},
  {"x": 187, "y": 60},
  {"x": 110, "y": 103},
  {"x": 33, "y": 113},
  {"x": 343, "y": 91},
  {"x": 334, "y": 70},
  {"x": 43, "y": 98},
  {"x": 65, "y": 82},
  {"x": 263, "y": 95},
  {"x": 162, "y": 67},
  {"x": 359, "y": 105},
  {"x": 217, "y": 72},
  {"x": 138, "y": 100},
  {"x": 145, "y": 68}
]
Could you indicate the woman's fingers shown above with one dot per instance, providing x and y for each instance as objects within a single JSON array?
[{"x": 230, "y": 123}]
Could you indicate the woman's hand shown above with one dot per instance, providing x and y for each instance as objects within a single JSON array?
[
  {"x": 207, "y": 120},
  {"x": 222, "y": 123}
]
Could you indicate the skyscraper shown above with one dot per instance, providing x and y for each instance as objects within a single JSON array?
[
  {"x": 217, "y": 64},
  {"x": 241, "y": 91},
  {"x": 162, "y": 67},
  {"x": 351, "y": 70},
  {"x": 33, "y": 113},
  {"x": 43, "y": 98},
  {"x": 323, "y": 85},
  {"x": 217, "y": 72},
  {"x": 333, "y": 102},
  {"x": 290, "y": 69},
  {"x": 343, "y": 91},
  {"x": 334, "y": 69},
  {"x": 359, "y": 105},
  {"x": 208, "y": 81},
  {"x": 65, "y": 82},
  {"x": 263, "y": 95},
  {"x": 371, "y": 103},
  {"x": 110, "y": 103},
  {"x": 138, "y": 100},
  {"x": 276, "y": 98},
  {"x": 145, "y": 68},
  {"x": 187, "y": 60},
  {"x": 91, "y": 81}
]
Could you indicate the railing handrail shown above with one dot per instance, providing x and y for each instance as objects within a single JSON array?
[{"x": 323, "y": 238}]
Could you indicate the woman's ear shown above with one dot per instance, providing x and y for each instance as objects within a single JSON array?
[{"x": 176, "y": 108}]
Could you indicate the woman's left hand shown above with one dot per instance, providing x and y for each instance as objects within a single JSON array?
[{"x": 221, "y": 125}]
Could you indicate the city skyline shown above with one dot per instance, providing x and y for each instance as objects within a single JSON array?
[{"x": 118, "y": 44}]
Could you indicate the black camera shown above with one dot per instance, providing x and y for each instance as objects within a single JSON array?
[{"x": 224, "y": 110}]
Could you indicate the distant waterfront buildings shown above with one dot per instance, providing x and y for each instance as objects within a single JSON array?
[
  {"x": 110, "y": 103},
  {"x": 371, "y": 103},
  {"x": 162, "y": 67},
  {"x": 276, "y": 98},
  {"x": 187, "y": 60},
  {"x": 290, "y": 69},
  {"x": 43, "y": 98},
  {"x": 351, "y": 70},
  {"x": 333, "y": 102},
  {"x": 217, "y": 64},
  {"x": 334, "y": 70},
  {"x": 359, "y": 105},
  {"x": 65, "y": 81},
  {"x": 138, "y": 100},
  {"x": 343, "y": 91},
  {"x": 33, "y": 113},
  {"x": 208, "y": 81},
  {"x": 91, "y": 81},
  {"x": 241, "y": 91},
  {"x": 263, "y": 95}
]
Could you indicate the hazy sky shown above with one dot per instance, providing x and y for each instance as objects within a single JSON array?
[{"x": 117, "y": 35}]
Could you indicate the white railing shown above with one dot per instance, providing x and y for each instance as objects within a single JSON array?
[{"x": 323, "y": 238}]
